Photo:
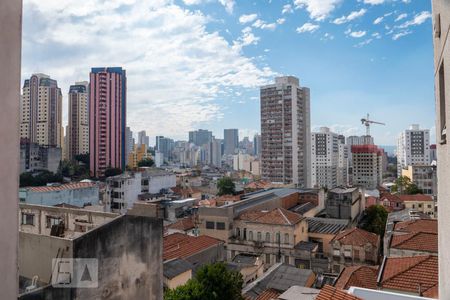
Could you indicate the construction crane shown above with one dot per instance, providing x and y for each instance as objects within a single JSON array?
[{"x": 366, "y": 122}]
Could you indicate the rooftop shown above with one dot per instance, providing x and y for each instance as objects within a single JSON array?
[
  {"x": 357, "y": 237},
  {"x": 277, "y": 216},
  {"x": 410, "y": 274},
  {"x": 299, "y": 293},
  {"x": 417, "y": 241},
  {"x": 418, "y": 225},
  {"x": 343, "y": 190},
  {"x": 175, "y": 267},
  {"x": 359, "y": 276},
  {"x": 60, "y": 187},
  {"x": 326, "y": 226},
  {"x": 331, "y": 293},
  {"x": 183, "y": 224},
  {"x": 245, "y": 259},
  {"x": 269, "y": 294},
  {"x": 418, "y": 197},
  {"x": 178, "y": 245}
]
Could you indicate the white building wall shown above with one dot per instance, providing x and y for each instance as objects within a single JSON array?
[{"x": 407, "y": 154}]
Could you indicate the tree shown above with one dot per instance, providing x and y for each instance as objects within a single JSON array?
[
  {"x": 376, "y": 219},
  {"x": 401, "y": 184},
  {"x": 213, "y": 282},
  {"x": 40, "y": 178},
  {"x": 83, "y": 158},
  {"x": 112, "y": 172},
  {"x": 146, "y": 162},
  {"x": 226, "y": 186},
  {"x": 413, "y": 189}
]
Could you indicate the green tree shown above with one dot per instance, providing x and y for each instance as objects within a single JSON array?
[
  {"x": 213, "y": 282},
  {"x": 40, "y": 178},
  {"x": 401, "y": 184},
  {"x": 112, "y": 172},
  {"x": 146, "y": 162},
  {"x": 226, "y": 186},
  {"x": 83, "y": 158},
  {"x": 413, "y": 189},
  {"x": 376, "y": 219}
]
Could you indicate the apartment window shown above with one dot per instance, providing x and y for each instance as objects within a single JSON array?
[
  {"x": 209, "y": 225},
  {"x": 250, "y": 235},
  {"x": 238, "y": 232},
  {"x": 348, "y": 253},
  {"x": 27, "y": 219},
  {"x": 442, "y": 108},
  {"x": 356, "y": 254},
  {"x": 286, "y": 238},
  {"x": 52, "y": 221},
  {"x": 336, "y": 252},
  {"x": 278, "y": 237},
  {"x": 267, "y": 258},
  {"x": 259, "y": 236},
  {"x": 220, "y": 225},
  {"x": 267, "y": 237}
]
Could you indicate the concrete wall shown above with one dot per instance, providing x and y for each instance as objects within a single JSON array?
[
  {"x": 129, "y": 253},
  {"x": 36, "y": 253},
  {"x": 77, "y": 197},
  {"x": 10, "y": 41},
  {"x": 177, "y": 280}
]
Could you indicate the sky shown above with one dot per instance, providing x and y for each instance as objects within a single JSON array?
[{"x": 199, "y": 63}]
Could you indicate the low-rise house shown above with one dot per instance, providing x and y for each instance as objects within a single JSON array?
[
  {"x": 422, "y": 203},
  {"x": 250, "y": 266},
  {"x": 77, "y": 194},
  {"x": 176, "y": 272},
  {"x": 391, "y": 202},
  {"x": 323, "y": 230},
  {"x": 198, "y": 251},
  {"x": 412, "y": 238},
  {"x": 156, "y": 180},
  {"x": 185, "y": 226},
  {"x": 345, "y": 203},
  {"x": 416, "y": 275},
  {"x": 358, "y": 276},
  {"x": 279, "y": 278},
  {"x": 354, "y": 247},
  {"x": 122, "y": 191}
]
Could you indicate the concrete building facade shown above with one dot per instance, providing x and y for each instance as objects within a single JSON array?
[
  {"x": 107, "y": 119},
  {"x": 324, "y": 158},
  {"x": 413, "y": 148},
  {"x": 78, "y": 128},
  {"x": 200, "y": 137},
  {"x": 41, "y": 111},
  {"x": 122, "y": 191},
  {"x": 424, "y": 176},
  {"x": 286, "y": 132},
  {"x": 367, "y": 166},
  {"x": 231, "y": 141},
  {"x": 35, "y": 157},
  {"x": 143, "y": 138}
]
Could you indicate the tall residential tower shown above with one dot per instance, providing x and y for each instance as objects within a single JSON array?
[
  {"x": 77, "y": 134},
  {"x": 286, "y": 132},
  {"x": 231, "y": 141},
  {"x": 413, "y": 148},
  {"x": 107, "y": 113}
]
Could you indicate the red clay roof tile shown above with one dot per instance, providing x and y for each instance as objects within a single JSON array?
[
  {"x": 357, "y": 237},
  {"x": 331, "y": 293},
  {"x": 180, "y": 245},
  {"x": 358, "y": 276}
]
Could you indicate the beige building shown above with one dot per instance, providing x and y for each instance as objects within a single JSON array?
[
  {"x": 367, "y": 166},
  {"x": 441, "y": 34},
  {"x": 420, "y": 203},
  {"x": 78, "y": 129},
  {"x": 286, "y": 132},
  {"x": 424, "y": 176},
  {"x": 176, "y": 272},
  {"x": 41, "y": 111},
  {"x": 139, "y": 153}
]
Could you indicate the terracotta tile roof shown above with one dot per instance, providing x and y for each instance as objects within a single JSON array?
[
  {"x": 421, "y": 225},
  {"x": 259, "y": 185},
  {"x": 357, "y": 237},
  {"x": 62, "y": 187},
  {"x": 180, "y": 245},
  {"x": 409, "y": 273},
  {"x": 418, "y": 197},
  {"x": 183, "y": 224},
  {"x": 390, "y": 197},
  {"x": 359, "y": 276},
  {"x": 269, "y": 294},
  {"x": 418, "y": 241},
  {"x": 277, "y": 216},
  {"x": 331, "y": 293}
]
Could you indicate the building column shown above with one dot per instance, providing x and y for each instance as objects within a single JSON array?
[{"x": 10, "y": 55}]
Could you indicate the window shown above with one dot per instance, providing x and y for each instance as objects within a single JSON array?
[
  {"x": 52, "y": 221},
  {"x": 238, "y": 232},
  {"x": 220, "y": 225},
  {"x": 442, "y": 112},
  {"x": 348, "y": 253},
  {"x": 278, "y": 237},
  {"x": 336, "y": 252},
  {"x": 286, "y": 238},
  {"x": 209, "y": 225},
  {"x": 267, "y": 237},
  {"x": 250, "y": 235},
  {"x": 286, "y": 259},
  {"x": 259, "y": 236},
  {"x": 356, "y": 254},
  {"x": 27, "y": 219},
  {"x": 278, "y": 258},
  {"x": 245, "y": 234},
  {"x": 267, "y": 258}
]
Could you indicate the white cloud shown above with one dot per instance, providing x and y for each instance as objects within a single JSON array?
[
  {"x": 318, "y": 9},
  {"x": 401, "y": 17},
  {"x": 228, "y": 4},
  {"x": 418, "y": 19},
  {"x": 287, "y": 9},
  {"x": 247, "y": 18},
  {"x": 263, "y": 25},
  {"x": 378, "y": 20},
  {"x": 352, "y": 16},
  {"x": 401, "y": 34},
  {"x": 376, "y": 35},
  {"x": 281, "y": 21},
  {"x": 307, "y": 27},
  {"x": 176, "y": 68},
  {"x": 356, "y": 34},
  {"x": 374, "y": 2},
  {"x": 364, "y": 43},
  {"x": 192, "y": 2},
  {"x": 327, "y": 37}
]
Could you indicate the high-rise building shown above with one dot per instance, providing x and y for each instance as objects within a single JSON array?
[
  {"x": 286, "y": 132},
  {"x": 231, "y": 141},
  {"x": 367, "y": 166},
  {"x": 324, "y": 158},
  {"x": 166, "y": 147},
  {"x": 257, "y": 145},
  {"x": 143, "y": 138},
  {"x": 441, "y": 34},
  {"x": 200, "y": 137},
  {"x": 78, "y": 127},
  {"x": 129, "y": 143},
  {"x": 157, "y": 141},
  {"x": 107, "y": 114},
  {"x": 216, "y": 153},
  {"x": 413, "y": 148},
  {"x": 360, "y": 140},
  {"x": 41, "y": 111}
]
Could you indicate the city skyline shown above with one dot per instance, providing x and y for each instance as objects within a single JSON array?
[{"x": 247, "y": 48}]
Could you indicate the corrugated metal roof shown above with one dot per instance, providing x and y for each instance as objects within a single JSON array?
[{"x": 327, "y": 226}]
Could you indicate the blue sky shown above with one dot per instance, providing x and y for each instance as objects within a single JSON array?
[{"x": 198, "y": 63}]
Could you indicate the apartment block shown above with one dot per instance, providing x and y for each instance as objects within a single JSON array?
[
  {"x": 122, "y": 191},
  {"x": 129, "y": 140},
  {"x": 286, "y": 132},
  {"x": 143, "y": 138},
  {"x": 424, "y": 176},
  {"x": 257, "y": 145},
  {"x": 139, "y": 153},
  {"x": 367, "y": 166},
  {"x": 200, "y": 137},
  {"x": 231, "y": 141},
  {"x": 35, "y": 157},
  {"x": 107, "y": 109},
  {"x": 78, "y": 129},
  {"x": 41, "y": 111},
  {"x": 324, "y": 158},
  {"x": 413, "y": 148}
]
